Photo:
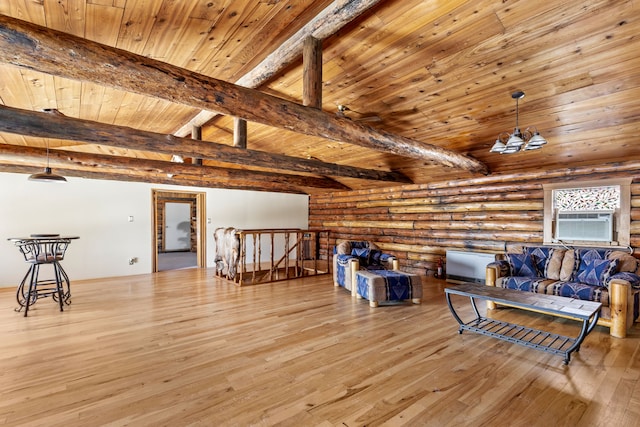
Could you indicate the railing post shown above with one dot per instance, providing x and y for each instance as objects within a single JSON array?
[{"x": 258, "y": 274}]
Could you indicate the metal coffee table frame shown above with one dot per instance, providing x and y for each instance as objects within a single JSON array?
[{"x": 585, "y": 311}]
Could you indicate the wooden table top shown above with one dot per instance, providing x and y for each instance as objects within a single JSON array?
[
  {"x": 552, "y": 304},
  {"x": 39, "y": 237}
]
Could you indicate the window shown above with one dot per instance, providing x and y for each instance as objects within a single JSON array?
[
  {"x": 588, "y": 213},
  {"x": 602, "y": 198}
]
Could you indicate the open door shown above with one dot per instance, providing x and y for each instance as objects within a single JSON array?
[
  {"x": 178, "y": 227},
  {"x": 179, "y": 230}
]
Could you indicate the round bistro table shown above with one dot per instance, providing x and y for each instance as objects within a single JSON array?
[{"x": 38, "y": 250}]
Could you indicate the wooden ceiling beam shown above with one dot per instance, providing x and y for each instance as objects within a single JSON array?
[
  {"x": 196, "y": 133},
  {"x": 239, "y": 133},
  {"x": 27, "y": 45},
  {"x": 312, "y": 73},
  {"x": 72, "y": 159},
  {"x": 153, "y": 179},
  {"x": 325, "y": 24},
  {"x": 55, "y": 125}
]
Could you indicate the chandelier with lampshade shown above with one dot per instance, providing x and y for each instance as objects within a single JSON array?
[{"x": 509, "y": 143}]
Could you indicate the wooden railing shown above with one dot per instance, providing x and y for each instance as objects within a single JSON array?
[{"x": 270, "y": 255}]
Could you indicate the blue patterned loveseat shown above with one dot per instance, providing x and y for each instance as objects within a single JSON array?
[
  {"x": 607, "y": 276},
  {"x": 351, "y": 256}
]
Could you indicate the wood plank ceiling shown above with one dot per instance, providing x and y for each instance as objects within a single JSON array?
[{"x": 436, "y": 72}]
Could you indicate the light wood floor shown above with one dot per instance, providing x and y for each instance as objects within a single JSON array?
[{"x": 184, "y": 348}]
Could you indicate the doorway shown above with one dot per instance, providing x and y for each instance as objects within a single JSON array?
[
  {"x": 177, "y": 227},
  {"x": 179, "y": 236}
]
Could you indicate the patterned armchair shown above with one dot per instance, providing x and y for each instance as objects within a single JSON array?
[{"x": 351, "y": 256}]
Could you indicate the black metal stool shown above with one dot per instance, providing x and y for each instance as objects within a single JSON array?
[{"x": 37, "y": 252}]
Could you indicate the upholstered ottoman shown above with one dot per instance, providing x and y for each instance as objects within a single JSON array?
[{"x": 388, "y": 285}]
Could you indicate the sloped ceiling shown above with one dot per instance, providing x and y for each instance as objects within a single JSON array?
[{"x": 435, "y": 72}]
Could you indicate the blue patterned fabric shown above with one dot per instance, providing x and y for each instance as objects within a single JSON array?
[
  {"x": 343, "y": 260},
  {"x": 522, "y": 265},
  {"x": 587, "y": 255},
  {"x": 592, "y": 273},
  {"x": 540, "y": 264},
  {"x": 369, "y": 257},
  {"x": 363, "y": 256},
  {"x": 540, "y": 257},
  {"x": 360, "y": 244},
  {"x": 526, "y": 284},
  {"x": 632, "y": 278},
  {"x": 342, "y": 269},
  {"x": 596, "y": 272},
  {"x": 398, "y": 286},
  {"x": 360, "y": 252},
  {"x": 581, "y": 291},
  {"x": 374, "y": 257}
]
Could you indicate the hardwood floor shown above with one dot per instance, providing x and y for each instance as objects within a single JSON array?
[
  {"x": 184, "y": 348},
  {"x": 177, "y": 260}
]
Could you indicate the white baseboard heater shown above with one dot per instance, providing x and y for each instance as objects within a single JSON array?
[{"x": 469, "y": 267}]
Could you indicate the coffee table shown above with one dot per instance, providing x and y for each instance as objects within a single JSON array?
[{"x": 586, "y": 312}]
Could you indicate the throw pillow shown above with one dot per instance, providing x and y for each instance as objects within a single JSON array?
[
  {"x": 626, "y": 263},
  {"x": 374, "y": 256},
  {"x": 538, "y": 264},
  {"x": 554, "y": 264},
  {"x": 360, "y": 244},
  {"x": 587, "y": 255},
  {"x": 547, "y": 261},
  {"x": 363, "y": 256},
  {"x": 521, "y": 265},
  {"x": 596, "y": 272},
  {"x": 566, "y": 271},
  {"x": 360, "y": 252},
  {"x": 632, "y": 278},
  {"x": 541, "y": 254}
]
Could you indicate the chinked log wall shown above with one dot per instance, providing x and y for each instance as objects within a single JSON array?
[{"x": 417, "y": 223}]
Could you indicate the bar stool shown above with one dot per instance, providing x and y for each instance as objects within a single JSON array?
[{"x": 36, "y": 253}]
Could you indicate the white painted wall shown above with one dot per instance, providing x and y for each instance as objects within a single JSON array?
[{"x": 98, "y": 212}]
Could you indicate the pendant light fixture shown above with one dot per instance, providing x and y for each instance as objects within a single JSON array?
[
  {"x": 47, "y": 175},
  {"x": 508, "y": 143}
]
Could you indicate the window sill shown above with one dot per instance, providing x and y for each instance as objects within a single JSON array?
[{"x": 585, "y": 244}]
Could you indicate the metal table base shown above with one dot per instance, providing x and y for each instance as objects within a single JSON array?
[
  {"x": 587, "y": 312},
  {"x": 39, "y": 250},
  {"x": 31, "y": 288}
]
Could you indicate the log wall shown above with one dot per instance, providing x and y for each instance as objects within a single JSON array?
[{"x": 418, "y": 223}]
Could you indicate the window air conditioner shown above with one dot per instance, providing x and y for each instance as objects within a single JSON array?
[{"x": 594, "y": 226}]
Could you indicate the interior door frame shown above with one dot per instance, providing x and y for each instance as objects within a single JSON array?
[{"x": 201, "y": 234}]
